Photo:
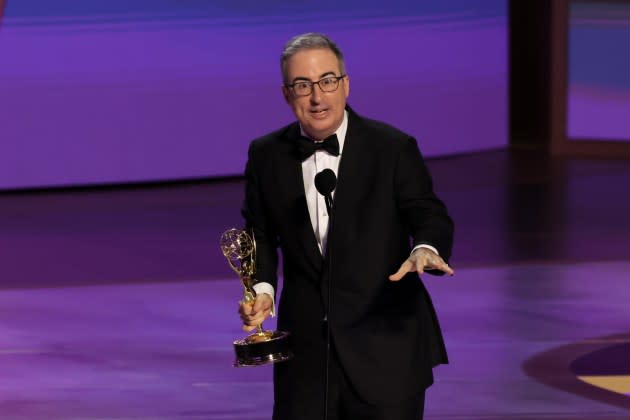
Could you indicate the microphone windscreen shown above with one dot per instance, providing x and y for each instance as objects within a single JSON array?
[{"x": 325, "y": 181}]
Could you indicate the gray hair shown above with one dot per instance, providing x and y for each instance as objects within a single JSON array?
[{"x": 309, "y": 41}]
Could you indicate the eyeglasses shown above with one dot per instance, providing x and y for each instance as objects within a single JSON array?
[{"x": 305, "y": 87}]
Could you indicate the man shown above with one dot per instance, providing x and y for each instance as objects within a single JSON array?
[{"x": 385, "y": 338}]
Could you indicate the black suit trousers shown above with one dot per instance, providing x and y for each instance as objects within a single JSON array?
[{"x": 343, "y": 401}]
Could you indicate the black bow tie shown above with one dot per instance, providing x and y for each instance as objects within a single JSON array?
[{"x": 306, "y": 147}]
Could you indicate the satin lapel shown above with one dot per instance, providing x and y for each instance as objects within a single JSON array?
[
  {"x": 354, "y": 157},
  {"x": 290, "y": 172}
]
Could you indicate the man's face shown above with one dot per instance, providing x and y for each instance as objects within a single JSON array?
[{"x": 320, "y": 113}]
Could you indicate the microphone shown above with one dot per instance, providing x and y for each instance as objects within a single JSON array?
[{"x": 325, "y": 182}]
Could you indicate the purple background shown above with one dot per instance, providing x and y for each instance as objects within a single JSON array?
[
  {"x": 146, "y": 91},
  {"x": 599, "y": 71}
]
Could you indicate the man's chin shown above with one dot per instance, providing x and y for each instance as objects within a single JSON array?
[
  {"x": 319, "y": 135},
  {"x": 319, "y": 131}
]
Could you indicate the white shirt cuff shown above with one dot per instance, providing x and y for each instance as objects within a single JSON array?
[
  {"x": 263, "y": 287},
  {"x": 422, "y": 246}
]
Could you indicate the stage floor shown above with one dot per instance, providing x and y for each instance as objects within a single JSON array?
[{"x": 117, "y": 304}]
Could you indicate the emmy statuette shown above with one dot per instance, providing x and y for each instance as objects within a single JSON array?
[{"x": 262, "y": 347}]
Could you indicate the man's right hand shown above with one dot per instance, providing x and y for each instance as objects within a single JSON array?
[{"x": 254, "y": 314}]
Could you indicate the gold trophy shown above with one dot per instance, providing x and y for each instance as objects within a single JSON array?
[{"x": 261, "y": 347}]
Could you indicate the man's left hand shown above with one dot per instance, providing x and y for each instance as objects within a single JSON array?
[{"x": 420, "y": 260}]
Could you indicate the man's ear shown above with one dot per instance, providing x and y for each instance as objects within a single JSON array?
[{"x": 286, "y": 92}]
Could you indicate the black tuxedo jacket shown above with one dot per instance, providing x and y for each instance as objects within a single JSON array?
[{"x": 385, "y": 333}]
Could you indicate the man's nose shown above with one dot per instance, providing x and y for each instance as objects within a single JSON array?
[{"x": 316, "y": 94}]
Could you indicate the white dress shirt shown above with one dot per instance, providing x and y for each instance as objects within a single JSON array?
[{"x": 313, "y": 165}]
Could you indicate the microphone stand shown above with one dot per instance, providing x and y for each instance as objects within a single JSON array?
[
  {"x": 325, "y": 182},
  {"x": 329, "y": 202}
]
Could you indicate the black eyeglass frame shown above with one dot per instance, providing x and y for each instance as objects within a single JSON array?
[{"x": 312, "y": 84}]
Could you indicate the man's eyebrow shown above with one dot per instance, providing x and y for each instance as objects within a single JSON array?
[
  {"x": 299, "y": 79},
  {"x": 328, "y": 73}
]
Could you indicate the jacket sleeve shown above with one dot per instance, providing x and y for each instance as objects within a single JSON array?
[
  {"x": 258, "y": 224},
  {"x": 423, "y": 213}
]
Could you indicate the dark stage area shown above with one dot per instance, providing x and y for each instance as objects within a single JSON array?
[{"x": 510, "y": 207}]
